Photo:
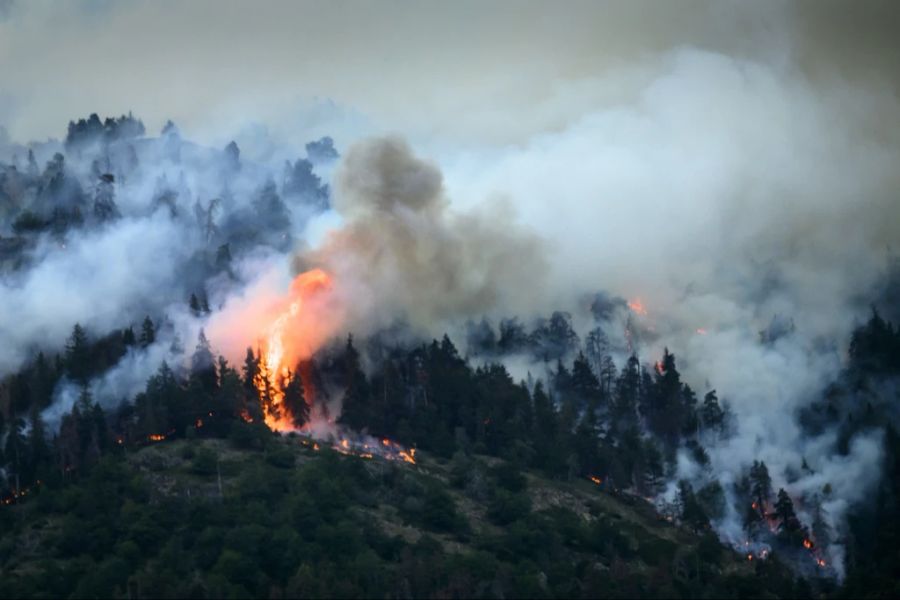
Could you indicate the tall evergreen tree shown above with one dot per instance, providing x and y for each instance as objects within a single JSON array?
[
  {"x": 78, "y": 359},
  {"x": 760, "y": 487},
  {"x": 294, "y": 400},
  {"x": 788, "y": 522},
  {"x": 148, "y": 332},
  {"x": 203, "y": 368},
  {"x": 711, "y": 414},
  {"x": 355, "y": 407}
]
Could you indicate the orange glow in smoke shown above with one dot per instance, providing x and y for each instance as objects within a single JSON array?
[{"x": 637, "y": 307}]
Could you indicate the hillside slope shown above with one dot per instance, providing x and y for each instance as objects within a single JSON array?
[{"x": 274, "y": 517}]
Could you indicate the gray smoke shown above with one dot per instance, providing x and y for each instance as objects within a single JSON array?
[{"x": 402, "y": 251}]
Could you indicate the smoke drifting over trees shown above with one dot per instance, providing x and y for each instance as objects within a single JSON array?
[{"x": 679, "y": 194}]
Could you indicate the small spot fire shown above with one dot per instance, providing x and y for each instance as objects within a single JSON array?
[{"x": 366, "y": 447}]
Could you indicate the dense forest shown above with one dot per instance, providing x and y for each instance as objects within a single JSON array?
[
  {"x": 621, "y": 434},
  {"x": 97, "y": 493}
]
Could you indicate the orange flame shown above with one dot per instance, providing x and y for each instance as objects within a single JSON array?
[
  {"x": 637, "y": 307},
  {"x": 295, "y": 333}
]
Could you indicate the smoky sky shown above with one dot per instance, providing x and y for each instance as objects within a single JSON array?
[{"x": 461, "y": 72}]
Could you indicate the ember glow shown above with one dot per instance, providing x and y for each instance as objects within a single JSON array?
[{"x": 367, "y": 448}]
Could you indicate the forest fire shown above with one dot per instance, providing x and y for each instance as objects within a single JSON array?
[
  {"x": 288, "y": 330},
  {"x": 294, "y": 334}
]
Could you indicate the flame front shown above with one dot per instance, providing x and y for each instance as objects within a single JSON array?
[
  {"x": 285, "y": 331},
  {"x": 296, "y": 332}
]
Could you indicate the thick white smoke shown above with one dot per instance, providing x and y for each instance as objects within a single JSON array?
[{"x": 729, "y": 193}]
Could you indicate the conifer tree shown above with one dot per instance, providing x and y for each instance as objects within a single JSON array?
[{"x": 148, "y": 332}]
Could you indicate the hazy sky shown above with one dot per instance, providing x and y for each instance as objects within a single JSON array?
[{"x": 461, "y": 72}]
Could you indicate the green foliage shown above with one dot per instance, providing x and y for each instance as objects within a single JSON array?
[
  {"x": 277, "y": 519},
  {"x": 506, "y": 507},
  {"x": 205, "y": 462}
]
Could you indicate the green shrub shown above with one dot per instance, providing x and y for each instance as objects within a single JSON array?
[{"x": 204, "y": 462}]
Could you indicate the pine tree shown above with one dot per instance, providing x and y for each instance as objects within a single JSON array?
[
  {"x": 596, "y": 346},
  {"x": 105, "y": 208},
  {"x": 627, "y": 396},
  {"x": 78, "y": 355},
  {"x": 711, "y": 415},
  {"x": 230, "y": 397},
  {"x": 585, "y": 385},
  {"x": 666, "y": 413},
  {"x": 148, "y": 332},
  {"x": 42, "y": 383},
  {"x": 294, "y": 400},
  {"x": 33, "y": 170},
  {"x": 607, "y": 374},
  {"x": 250, "y": 372},
  {"x": 203, "y": 368},
  {"x": 355, "y": 411},
  {"x": 784, "y": 511},
  {"x": 760, "y": 487}
]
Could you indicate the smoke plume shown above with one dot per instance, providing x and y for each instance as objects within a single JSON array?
[{"x": 403, "y": 252}]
